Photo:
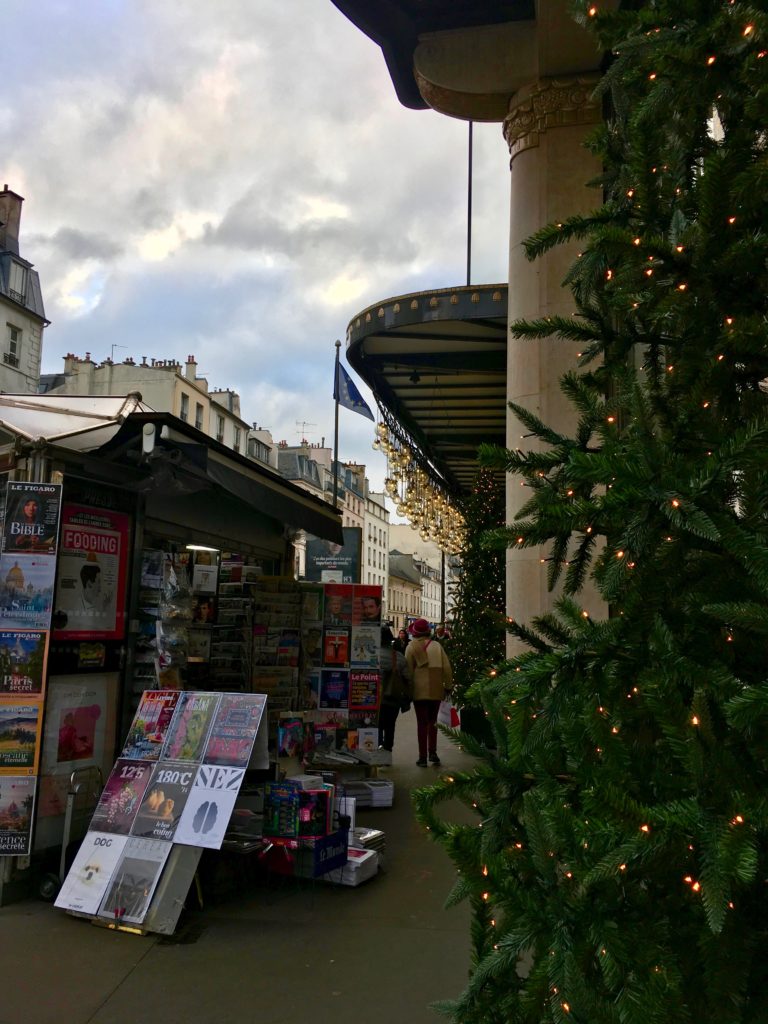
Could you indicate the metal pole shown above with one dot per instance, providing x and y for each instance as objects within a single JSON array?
[
  {"x": 469, "y": 207},
  {"x": 336, "y": 430},
  {"x": 442, "y": 586}
]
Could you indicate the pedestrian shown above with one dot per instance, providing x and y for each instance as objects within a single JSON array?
[
  {"x": 395, "y": 687},
  {"x": 432, "y": 681},
  {"x": 401, "y": 641}
]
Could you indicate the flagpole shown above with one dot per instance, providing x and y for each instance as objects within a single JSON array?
[{"x": 336, "y": 392}]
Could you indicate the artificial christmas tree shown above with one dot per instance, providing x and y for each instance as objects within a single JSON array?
[
  {"x": 478, "y": 628},
  {"x": 618, "y": 868}
]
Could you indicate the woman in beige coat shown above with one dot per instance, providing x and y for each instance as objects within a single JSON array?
[{"x": 432, "y": 680}]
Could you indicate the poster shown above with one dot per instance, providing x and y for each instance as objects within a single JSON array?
[
  {"x": 164, "y": 799},
  {"x": 188, "y": 733},
  {"x": 234, "y": 729},
  {"x": 149, "y": 727},
  {"x": 133, "y": 883},
  {"x": 26, "y": 591},
  {"x": 334, "y": 688},
  {"x": 22, "y": 662},
  {"x": 326, "y": 561},
  {"x": 364, "y": 690},
  {"x": 20, "y": 725},
  {"x": 90, "y": 592},
  {"x": 122, "y": 796},
  {"x": 93, "y": 867},
  {"x": 31, "y": 518},
  {"x": 209, "y": 806},
  {"x": 17, "y": 801}
]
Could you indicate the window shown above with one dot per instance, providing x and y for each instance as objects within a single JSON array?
[
  {"x": 184, "y": 412},
  {"x": 13, "y": 344},
  {"x": 236, "y": 445},
  {"x": 17, "y": 282},
  {"x": 220, "y": 428},
  {"x": 198, "y": 416}
]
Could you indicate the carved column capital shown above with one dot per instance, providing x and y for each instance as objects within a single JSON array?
[{"x": 549, "y": 103}]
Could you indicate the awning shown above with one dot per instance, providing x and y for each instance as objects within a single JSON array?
[{"x": 437, "y": 361}]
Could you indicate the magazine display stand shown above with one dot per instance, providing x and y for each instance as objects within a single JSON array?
[{"x": 170, "y": 794}]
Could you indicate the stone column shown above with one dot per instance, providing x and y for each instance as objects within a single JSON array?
[{"x": 545, "y": 130}]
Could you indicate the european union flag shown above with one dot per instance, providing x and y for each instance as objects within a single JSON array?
[{"x": 345, "y": 392}]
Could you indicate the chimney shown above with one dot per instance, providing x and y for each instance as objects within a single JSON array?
[
  {"x": 10, "y": 220},
  {"x": 190, "y": 370}
]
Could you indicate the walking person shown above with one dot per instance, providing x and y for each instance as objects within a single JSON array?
[
  {"x": 432, "y": 680},
  {"x": 395, "y": 687},
  {"x": 401, "y": 640}
]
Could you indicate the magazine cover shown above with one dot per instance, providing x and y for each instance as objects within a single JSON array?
[
  {"x": 90, "y": 587},
  {"x": 338, "y": 604},
  {"x": 93, "y": 867},
  {"x": 26, "y": 591},
  {"x": 312, "y": 602},
  {"x": 134, "y": 880},
  {"x": 288, "y": 647},
  {"x": 234, "y": 729},
  {"x": 364, "y": 690},
  {"x": 19, "y": 737},
  {"x": 281, "y": 809},
  {"x": 122, "y": 796},
  {"x": 22, "y": 662},
  {"x": 164, "y": 800},
  {"x": 334, "y": 688},
  {"x": 366, "y": 605},
  {"x": 32, "y": 517},
  {"x": 336, "y": 647},
  {"x": 188, "y": 733},
  {"x": 149, "y": 727},
  {"x": 17, "y": 801},
  {"x": 290, "y": 736},
  {"x": 366, "y": 644},
  {"x": 209, "y": 806}
]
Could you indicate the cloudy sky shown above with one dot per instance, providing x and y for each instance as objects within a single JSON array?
[{"x": 234, "y": 180}]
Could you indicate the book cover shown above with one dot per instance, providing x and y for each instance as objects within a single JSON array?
[
  {"x": 26, "y": 591},
  {"x": 121, "y": 796},
  {"x": 209, "y": 807},
  {"x": 17, "y": 801},
  {"x": 234, "y": 729},
  {"x": 164, "y": 800},
  {"x": 368, "y": 739},
  {"x": 134, "y": 880},
  {"x": 20, "y": 725},
  {"x": 366, "y": 644},
  {"x": 22, "y": 661},
  {"x": 149, "y": 727},
  {"x": 87, "y": 880},
  {"x": 191, "y": 724}
]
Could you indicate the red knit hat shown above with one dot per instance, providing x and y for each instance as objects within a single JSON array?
[{"x": 419, "y": 627}]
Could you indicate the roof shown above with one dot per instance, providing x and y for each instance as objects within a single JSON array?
[
  {"x": 105, "y": 435},
  {"x": 437, "y": 360},
  {"x": 403, "y": 568}
]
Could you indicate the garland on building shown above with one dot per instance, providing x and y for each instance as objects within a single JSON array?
[
  {"x": 478, "y": 634},
  {"x": 618, "y": 861}
]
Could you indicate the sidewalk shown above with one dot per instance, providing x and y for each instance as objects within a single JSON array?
[{"x": 291, "y": 952}]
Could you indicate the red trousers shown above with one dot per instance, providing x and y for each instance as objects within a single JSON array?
[{"x": 426, "y": 725}]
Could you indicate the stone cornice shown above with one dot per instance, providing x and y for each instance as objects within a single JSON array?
[{"x": 549, "y": 103}]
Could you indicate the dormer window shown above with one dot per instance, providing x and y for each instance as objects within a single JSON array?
[{"x": 17, "y": 282}]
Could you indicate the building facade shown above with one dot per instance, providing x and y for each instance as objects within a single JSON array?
[
  {"x": 22, "y": 316},
  {"x": 404, "y": 590},
  {"x": 375, "y": 567}
]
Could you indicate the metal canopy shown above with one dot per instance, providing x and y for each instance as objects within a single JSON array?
[{"x": 437, "y": 361}]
